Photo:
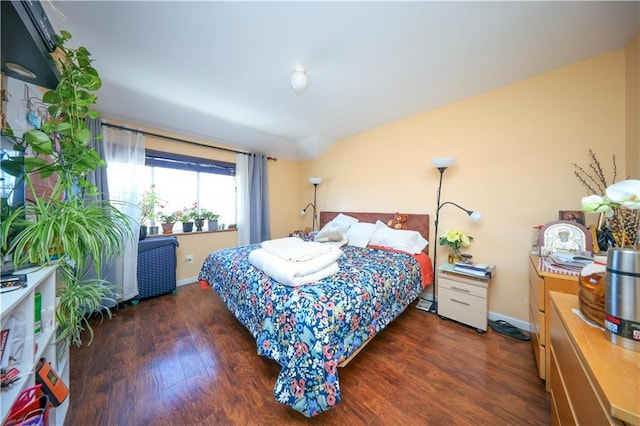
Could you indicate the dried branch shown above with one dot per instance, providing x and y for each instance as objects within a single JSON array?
[
  {"x": 593, "y": 178},
  {"x": 583, "y": 176}
]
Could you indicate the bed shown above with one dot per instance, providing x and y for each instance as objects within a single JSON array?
[{"x": 313, "y": 329}]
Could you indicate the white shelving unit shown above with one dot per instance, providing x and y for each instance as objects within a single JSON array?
[{"x": 20, "y": 305}]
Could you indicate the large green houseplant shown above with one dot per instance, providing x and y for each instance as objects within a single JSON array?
[{"x": 66, "y": 227}]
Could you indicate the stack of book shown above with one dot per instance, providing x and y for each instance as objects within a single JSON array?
[
  {"x": 483, "y": 270},
  {"x": 572, "y": 260}
]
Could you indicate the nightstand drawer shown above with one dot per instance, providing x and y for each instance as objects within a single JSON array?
[
  {"x": 460, "y": 284},
  {"x": 462, "y": 307}
]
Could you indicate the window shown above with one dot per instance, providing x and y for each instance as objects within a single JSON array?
[{"x": 181, "y": 181}]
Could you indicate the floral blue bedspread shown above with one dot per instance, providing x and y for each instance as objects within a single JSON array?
[{"x": 310, "y": 329}]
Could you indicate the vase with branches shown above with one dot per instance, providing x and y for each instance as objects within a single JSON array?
[{"x": 618, "y": 203}]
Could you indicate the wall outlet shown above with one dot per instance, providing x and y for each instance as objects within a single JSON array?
[{"x": 189, "y": 258}]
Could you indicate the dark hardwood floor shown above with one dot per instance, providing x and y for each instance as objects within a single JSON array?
[{"x": 184, "y": 359}]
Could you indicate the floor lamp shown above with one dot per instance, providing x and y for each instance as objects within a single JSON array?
[
  {"x": 315, "y": 181},
  {"x": 442, "y": 164}
]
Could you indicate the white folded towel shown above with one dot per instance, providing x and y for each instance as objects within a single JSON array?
[
  {"x": 292, "y": 274},
  {"x": 295, "y": 249}
]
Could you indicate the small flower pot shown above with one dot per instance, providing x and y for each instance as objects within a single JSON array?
[
  {"x": 187, "y": 226},
  {"x": 143, "y": 232},
  {"x": 213, "y": 225},
  {"x": 167, "y": 228}
]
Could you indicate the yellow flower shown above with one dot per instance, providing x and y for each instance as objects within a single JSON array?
[{"x": 455, "y": 239}]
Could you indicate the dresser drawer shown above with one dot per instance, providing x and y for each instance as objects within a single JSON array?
[
  {"x": 537, "y": 286},
  {"x": 538, "y": 347},
  {"x": 463, "y": 285},
  {"x": 462, "y": 307},
  {"x": 571, "y": 376},
  {"x": 538, "y": 318},
  {"x": 560, "y": 406}
]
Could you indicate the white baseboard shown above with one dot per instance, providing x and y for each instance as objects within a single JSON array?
[
  {"x": 523, "y": 325},
  {"x": 427, "y": 294},
  {"x": 186, "y": 281}
]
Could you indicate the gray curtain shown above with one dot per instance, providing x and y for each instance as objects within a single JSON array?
[
  {"x": 99, "y": 178},
  {"x": 258, "y": 199}
]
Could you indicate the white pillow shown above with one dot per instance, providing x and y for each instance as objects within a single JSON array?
[
  {"x": 340, "y": 223},
  {"x": 326, "y": 236},
  {"x": 421, "y": 243},
  {"x": 360, "y": 233},
  {"x": 343, "y": 220},
  {"x": 398, "y": 239}
]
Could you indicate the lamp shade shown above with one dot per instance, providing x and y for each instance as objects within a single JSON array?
[
  {"x": 299, "y": 80},
  {"x": 475, "y": 216},
  {"x": 443, "y": 161},
  {"x": 315, "y": 180}
]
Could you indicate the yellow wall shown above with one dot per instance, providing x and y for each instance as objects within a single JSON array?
[
  {"x": 284, "y": 207},
  {"x": 633, "y": 106},
  {"x": 515, "y": 147}
]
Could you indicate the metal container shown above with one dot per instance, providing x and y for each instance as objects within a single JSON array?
[{"x": 622, "y": 298}]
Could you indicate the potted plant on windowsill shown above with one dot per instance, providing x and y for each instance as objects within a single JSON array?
[
  {"x": 150, "y": 201},
  {"x": 68, "y": 227},
  {"x": 189, "y": 214},
  {"x": 167, "y": 220},
  {"x": 212, "y": 219}
]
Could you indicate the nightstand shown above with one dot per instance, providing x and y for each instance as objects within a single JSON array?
[{"x": 462, "y": 297}]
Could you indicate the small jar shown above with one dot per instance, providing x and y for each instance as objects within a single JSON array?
[{"x": 592, "y": 284}]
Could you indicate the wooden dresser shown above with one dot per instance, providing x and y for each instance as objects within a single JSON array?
[
  {"x": 593, "y": 381},
  {"x": 540, "y": 284}
]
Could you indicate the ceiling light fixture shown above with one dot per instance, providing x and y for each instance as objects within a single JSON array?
[
  {"x": 299, "y": 79},
  {"x": 20, "y": 70}
]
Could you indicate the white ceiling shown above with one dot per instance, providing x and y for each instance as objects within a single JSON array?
[{"x": 220, "y": 70}]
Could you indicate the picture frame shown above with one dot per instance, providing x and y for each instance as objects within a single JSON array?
[
  {"x": 572, "y": 215},
  {"x": 564, "y": 235}
]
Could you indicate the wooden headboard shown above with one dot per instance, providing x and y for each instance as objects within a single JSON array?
[{"x": 416, "y": 222}]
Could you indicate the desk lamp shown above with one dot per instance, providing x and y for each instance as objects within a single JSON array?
[{"x": 315, "y": 181}]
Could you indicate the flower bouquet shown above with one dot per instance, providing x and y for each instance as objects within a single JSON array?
[{"x": 455, "y": 239}]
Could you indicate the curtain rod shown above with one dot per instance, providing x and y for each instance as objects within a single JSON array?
[{"x": 171, "y": 138}]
